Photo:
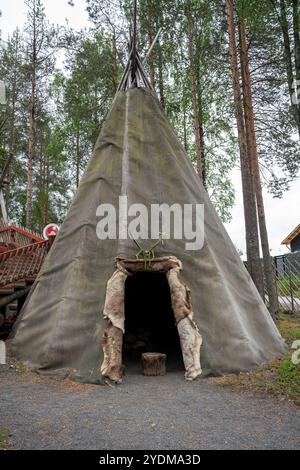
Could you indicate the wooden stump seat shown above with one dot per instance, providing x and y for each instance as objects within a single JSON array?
[{"x": 154, "y": 363}]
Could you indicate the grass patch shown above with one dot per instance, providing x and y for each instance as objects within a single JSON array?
[
  {"x": 288, "y": 379},
  {"x": 280, "y": 377},
  {"x": 289, "y": 327},
  {"x": 18, "y": 367},
  {"x": 4, "y": 434},
  {"x": 288, "y": 284}
]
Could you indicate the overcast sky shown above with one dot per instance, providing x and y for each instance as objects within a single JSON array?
[{"x": 283, "y": 215}]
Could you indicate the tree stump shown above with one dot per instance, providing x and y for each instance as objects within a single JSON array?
[{"x": 154, "y": 363}]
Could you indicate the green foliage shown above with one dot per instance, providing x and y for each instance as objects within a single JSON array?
[
  {"x": 289, "y": 328},
  {"x": 287, "y": 381},
  {"x": 289, "y": 375},
  {"x": 83, "y": 99},
  {"x": 169, "y": 60},
  {"x": 280, "y": 377},
  {"x": 278, "y": 145},
  {"x": 75, "y": 93},
  {"x": 289, "y": 285},
  {"x": 4, "y": 435}
]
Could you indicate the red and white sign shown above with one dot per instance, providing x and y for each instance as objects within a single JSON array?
[{"x": 50, "y": 230}]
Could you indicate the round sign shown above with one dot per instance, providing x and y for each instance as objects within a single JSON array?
[{"x": 50, "y": 230}]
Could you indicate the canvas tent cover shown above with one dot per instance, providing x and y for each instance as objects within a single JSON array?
[{"x": 138, "y": 155}]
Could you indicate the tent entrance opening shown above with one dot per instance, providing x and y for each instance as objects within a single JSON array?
[{"x": 149, "y": 320}]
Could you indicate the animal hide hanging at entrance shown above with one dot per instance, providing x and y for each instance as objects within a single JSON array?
[{"x": 114, "y": 313}]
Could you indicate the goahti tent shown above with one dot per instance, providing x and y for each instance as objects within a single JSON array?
[{"x": 75, "y": 315}]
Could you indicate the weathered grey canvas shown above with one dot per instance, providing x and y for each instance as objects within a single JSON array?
[{"x": 138, "y": 155}]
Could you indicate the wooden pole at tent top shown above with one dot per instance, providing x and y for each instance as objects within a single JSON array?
[{"x": 134, "y": 34}]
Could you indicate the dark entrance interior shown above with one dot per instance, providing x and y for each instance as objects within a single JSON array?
[{"x": 149, "y": 320}]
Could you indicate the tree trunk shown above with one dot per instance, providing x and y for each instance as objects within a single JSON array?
[
  {"x": 160, "y": 60},
  {"x": 11, "y": 145},
  {"x": 43, "y": 189},
  {"x": 77, "y": 157},
  {"x": 150, "y": 41},
  {"x": 160, "y": 77},
  {"x": 196, "y": 117},
  {"x": 32, "y": 125},
  {"x": 249, "y": 200},
  {"x": 296, "y": 27},
  {"x": 31, "y": 149},
  {"x": 289, "y": 62},
  {"x": 114, "y": 77},
  {"x": 201, "y": 128},
  {"x": 185, "y": 140},
  {"x": 252, "y": 148},
  {"x": 46, "y": 213}
]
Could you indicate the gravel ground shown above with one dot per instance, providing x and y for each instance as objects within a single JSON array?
[{"x": 143, "y": 413}]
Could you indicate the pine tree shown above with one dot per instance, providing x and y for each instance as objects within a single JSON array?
[
  {"x": 39, "y": 63},
  {"x": 249, "y": 199}
]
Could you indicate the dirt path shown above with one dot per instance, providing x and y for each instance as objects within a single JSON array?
[{"x": 144, "y": 413}]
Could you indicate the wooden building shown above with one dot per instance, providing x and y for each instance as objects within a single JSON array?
[{"x": 293, "y": 240}]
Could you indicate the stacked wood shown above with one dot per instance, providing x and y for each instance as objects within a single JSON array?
[{"x": 154, "y": 363}]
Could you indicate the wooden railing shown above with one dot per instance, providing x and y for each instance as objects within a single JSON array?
[
  {"x": 22, "y": 263},
  {"x": 17, "y": 236}
]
